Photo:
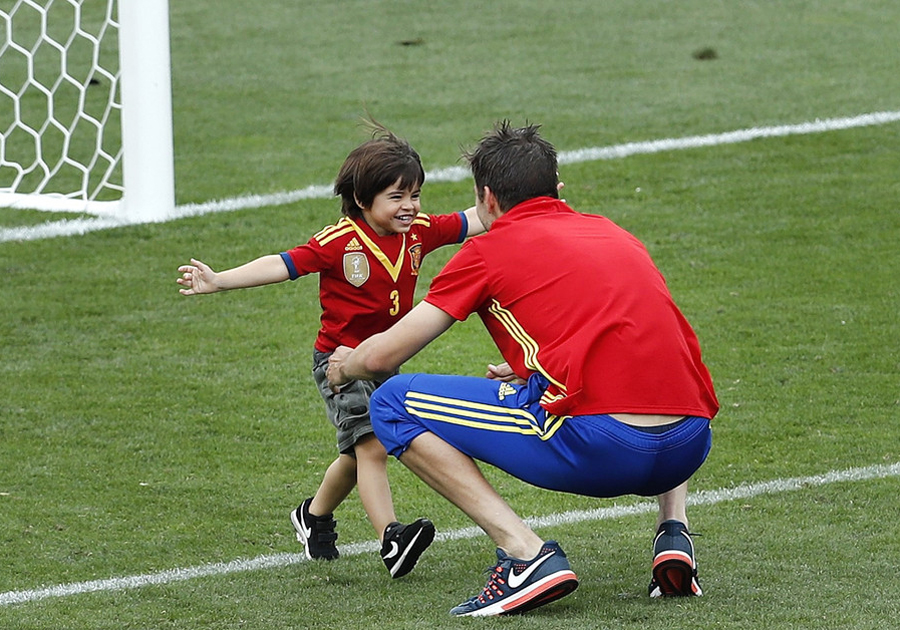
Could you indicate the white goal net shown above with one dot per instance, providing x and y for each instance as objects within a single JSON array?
[{"x": 74, "y": 74}]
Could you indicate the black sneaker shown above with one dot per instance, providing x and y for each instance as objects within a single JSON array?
[
  {"x": 315, "y": 532},
  {"x": 403, "y": 544},
  {"x": 516, "y": 586},
  {"x": 674, "y": 566}
]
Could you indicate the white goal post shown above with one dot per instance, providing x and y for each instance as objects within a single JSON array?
[{"x": 86, "y": 108}]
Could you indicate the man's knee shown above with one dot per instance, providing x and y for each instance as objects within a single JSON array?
[
  {"x": 393, "y": 425},
  {"x": 386, "y": 402}
]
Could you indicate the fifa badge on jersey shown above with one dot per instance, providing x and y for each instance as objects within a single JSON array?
[
  {"x": 415, "y": 258},
  {"x": 356, "y": 268}
]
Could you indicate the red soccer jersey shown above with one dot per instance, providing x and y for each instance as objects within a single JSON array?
[
  {"x": 579, "y": 300},
  {"x": 366, "y": 281}
]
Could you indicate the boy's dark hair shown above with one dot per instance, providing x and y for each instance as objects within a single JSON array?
[
  {"x": 515, "y": 163},
  {"x": 375, "y": 165}
]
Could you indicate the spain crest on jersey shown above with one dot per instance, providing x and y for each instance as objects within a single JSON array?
[
  {"x": 356, "y": 268},
  {"x": 415, "y": 258}
]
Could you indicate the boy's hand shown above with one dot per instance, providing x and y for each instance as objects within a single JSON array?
[{"x": 198, "y": 277}]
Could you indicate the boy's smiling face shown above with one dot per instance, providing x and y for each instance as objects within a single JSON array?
[{"x": 393, "y": 209}]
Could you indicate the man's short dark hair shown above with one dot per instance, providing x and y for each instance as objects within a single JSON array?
[{"x": 516, "y": 163}]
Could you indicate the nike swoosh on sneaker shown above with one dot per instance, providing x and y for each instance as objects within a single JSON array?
[
  {"x": 395, "y": 548},
  {"x": 305, "y": 530},
  {"x": 515, "y": 580},
  {"x": 399, "y": 564}
]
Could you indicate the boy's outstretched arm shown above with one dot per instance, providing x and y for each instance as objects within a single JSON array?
[
  {"x": 475, "y": 226},
  {"x": 198, "y": 277}
]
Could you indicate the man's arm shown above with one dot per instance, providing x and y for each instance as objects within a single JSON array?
[{"x": 381, "y": 354}]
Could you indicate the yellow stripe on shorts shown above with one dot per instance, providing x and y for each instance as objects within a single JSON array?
[{"x": 480, "y": 415}]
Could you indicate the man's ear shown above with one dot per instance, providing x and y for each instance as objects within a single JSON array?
[
  {"x": 356, "y": 199},
  {"x": 491, "y": 203}
]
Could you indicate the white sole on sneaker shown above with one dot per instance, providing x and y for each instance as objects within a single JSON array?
[{"x": 549, "y": 589}]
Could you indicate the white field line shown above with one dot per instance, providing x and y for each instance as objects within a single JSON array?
[
  {"x": 457, "y": 174},
  {"x": 707, "y": 497}
]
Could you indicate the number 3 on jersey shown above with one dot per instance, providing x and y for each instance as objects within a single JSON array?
[{"x": 395, "y": 302}]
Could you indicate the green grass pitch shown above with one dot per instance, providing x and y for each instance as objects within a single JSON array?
[{"x": 143, "y": 432}]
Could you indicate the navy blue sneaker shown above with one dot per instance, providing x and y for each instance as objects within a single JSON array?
[
  {"x": 403, "y": 544},
  {"x": 315, "y": 532},
  {"x": 674, "y": 566},
  {"x": 516, "y": 586}
]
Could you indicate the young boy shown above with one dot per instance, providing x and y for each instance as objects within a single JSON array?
[{"x": 368, "y": 264}]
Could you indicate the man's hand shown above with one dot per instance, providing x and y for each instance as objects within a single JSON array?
[
  {"x": 334, "y": 373},
  {"x": 503, "y": 373}
]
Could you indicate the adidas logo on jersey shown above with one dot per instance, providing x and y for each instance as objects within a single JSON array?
[
  {"x": 506, "y": 390},
  {"x": 353, "y": 246}
]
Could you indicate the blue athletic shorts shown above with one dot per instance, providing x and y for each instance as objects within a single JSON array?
[{"x": 503, "y": 425}]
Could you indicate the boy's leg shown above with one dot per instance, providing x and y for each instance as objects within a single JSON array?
[
  {"x": 347, "y": 410},
  {"x": 338, "y": 482},
  {"x": 371, "y": 479},
  {"x": 401, "y": 545},
  {"x": 313, "y": 520}
]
